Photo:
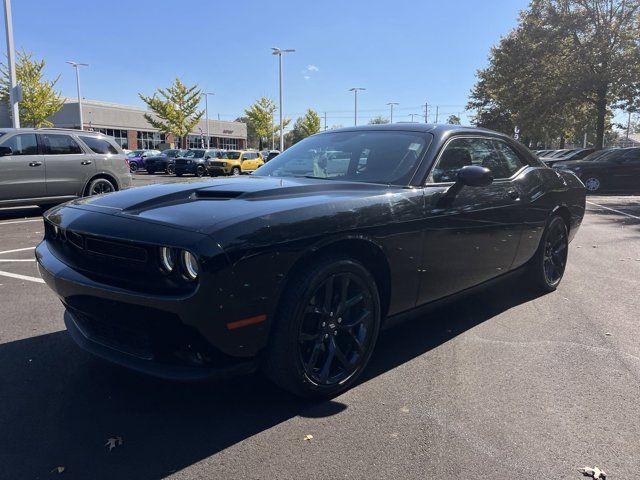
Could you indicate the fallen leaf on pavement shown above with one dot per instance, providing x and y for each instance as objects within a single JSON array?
[
  {"x": 308, "y": 438},
  {"x": 58, "y": 470},
  {"x": 594, "y": 472},
  {"x": 113, "y": 442}
]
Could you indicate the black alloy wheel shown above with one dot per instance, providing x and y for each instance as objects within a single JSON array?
[
  {"x": 200, "y": 171},
  {"x": 100, "y": 186},
  {"x": 133, "y": 167},
  {"x": 171, "y": 169},
  {"x": 549, "y": 263},
  {"x": 326, "y": 328}
]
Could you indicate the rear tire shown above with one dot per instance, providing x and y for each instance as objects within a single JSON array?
[
  {"x": 200, "y": 171},
  {"x": 235, "y": 171},
  {"x": 325, "y": 330},
  {"x": 547, "y": 266},
  {"x": 592, "y": 183},
  {"x": 99, "y": 186},
  {"x": 170, "y": 169},
  {"x": 133, "y": 167}
]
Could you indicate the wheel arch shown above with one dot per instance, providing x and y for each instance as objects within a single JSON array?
[
  {"x": 564, "y": 212},
  {"x": 106, "y": 176},
  {"x": 363, "y": 250}
]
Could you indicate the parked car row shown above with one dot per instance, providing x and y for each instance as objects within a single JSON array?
[
  {"x": 551, "y": 156},
  {"x": 198, "y": 161}
]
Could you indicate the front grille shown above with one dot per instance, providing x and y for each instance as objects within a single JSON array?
[
  {"x": 218, "y": 164},
  {"x": 181, "y": 161},
  {"x": 115, "y": 249}
]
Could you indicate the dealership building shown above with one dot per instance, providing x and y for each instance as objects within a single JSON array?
[{"x": 131, "y": 130}]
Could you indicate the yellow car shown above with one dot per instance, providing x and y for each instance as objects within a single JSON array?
[{"x": 235, "y": 162}]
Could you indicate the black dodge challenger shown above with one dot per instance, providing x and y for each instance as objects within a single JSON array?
[{"x": 295, "y": 268}]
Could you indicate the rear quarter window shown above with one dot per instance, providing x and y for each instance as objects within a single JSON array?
[{"x": 99, "y": 145}]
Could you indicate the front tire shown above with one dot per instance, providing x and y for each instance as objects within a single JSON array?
[
  {"x": 170, "y": 169},
  {"x": 549, "y": 262},
  {"x": 235, "y": 171},
  {"x": 133, "y": 167},
  {"x": 325, "y": 330},
  {"x": 200, "y": 171}
]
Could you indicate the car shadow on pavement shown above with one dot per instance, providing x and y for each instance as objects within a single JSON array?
[
  {"x": 21, "y": 213},
  {"x": 59, "y": 405}
]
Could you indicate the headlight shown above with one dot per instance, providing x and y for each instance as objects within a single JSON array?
[
  {"x": 167, "y": 259},
  {"x": 190, "y": 264}
]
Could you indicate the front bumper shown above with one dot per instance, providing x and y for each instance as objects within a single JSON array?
[
  {"x": 219, "y": 170},
  {"x": 188, "y": 168},
  {"x": 168, "y": 336}
]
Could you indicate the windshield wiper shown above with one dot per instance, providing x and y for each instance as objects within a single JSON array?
[{"x": 310, "y": 176}]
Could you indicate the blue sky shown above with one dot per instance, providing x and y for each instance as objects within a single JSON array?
[{"x": 402, "y": 51}]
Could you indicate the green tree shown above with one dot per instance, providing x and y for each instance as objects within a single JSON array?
[
  {"x": 379, "y": 120},
  {"x": 39, "y": 98},
  {"x": 562, "y": 69},
  {"x": 261, "y": 119},
  {"x": 453, "y": 120},
  {"x": 307, "y": 125},
  {"x": 174, "y": 109}
]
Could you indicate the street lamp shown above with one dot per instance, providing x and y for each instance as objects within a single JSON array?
[
  {"x": 279, "y": 51},
  {"x": 15, "y": 111},
  {"x": 391, "y": 104},
  {"x": 355, "y": 106},
  {"x": 77, "y": 66},
  {"x": 206, "y": 113}
]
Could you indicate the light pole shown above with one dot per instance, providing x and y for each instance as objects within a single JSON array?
[
  {"x": 279, "y": 51},
  {"x": 391, "y": 104},
  {"x": 355, "y": 104},
  {"x": 15, "y": 111},
  {"x": 77, "y": 66},
  {"x": 206, "y": 114}
]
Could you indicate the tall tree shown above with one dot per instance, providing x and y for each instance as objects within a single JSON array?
[
  {"x": 39, "y": 97},
  {"x": 260, "y": 119},
  {"x": 379, "y": 120},
  {"x": 175, "y": 109},
  {"x": 307, "y": 125},
  {"x": 568, "y": 61},
  {"x": 453, "y": 120}
]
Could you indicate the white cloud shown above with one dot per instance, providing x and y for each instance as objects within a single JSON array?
[
  {"x": 307, "y": 77},
  {"x": 312, "y": 68}
]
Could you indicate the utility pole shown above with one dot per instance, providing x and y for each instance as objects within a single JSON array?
[
  {"x": 206, "y": 114},
  {"x": 325, "y": 120},
  {"x": 279, "y": 52},
  {"x": 355, "y": 105},
  {"x": 77, "y": 66},
  {"x": 437, "y": 110},
  {"x": 15, "y": 110},
  {"x": 426, "y": 112},
  {"x": 391, "y": 104}
]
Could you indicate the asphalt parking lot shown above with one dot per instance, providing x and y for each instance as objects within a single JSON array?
[{"x": 500, "y": 384}]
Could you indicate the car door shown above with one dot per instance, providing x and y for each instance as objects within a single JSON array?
[
  {"x": 68, "y": 167},
  {"x": 628, "y": 171},
  {"x": 22, "y": 173},
  {"x": 245, "y": 161},
  {"x": 473, "y": 236}
]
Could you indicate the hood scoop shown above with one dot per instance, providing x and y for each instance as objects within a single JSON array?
[{"x": 211, "y": 194}]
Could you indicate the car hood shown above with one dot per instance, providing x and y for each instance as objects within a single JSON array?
[{"x": 210, "y": 205}]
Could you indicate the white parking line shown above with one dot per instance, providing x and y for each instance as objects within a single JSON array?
[
  {"x": 614, "y": 210},
  {"x": 21, "y": 221},
  {"x": 18, "y": 250},
  {"x": 17, "y": 259},
  {"x": 21, "y": 277}
]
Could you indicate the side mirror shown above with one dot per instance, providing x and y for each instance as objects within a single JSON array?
[
  {"x": 469, "y": 176},
  {"x": 4, "y": 151},
  {"x": 475, "y": 176}
]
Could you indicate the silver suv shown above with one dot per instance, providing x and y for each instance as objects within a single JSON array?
[{"x": 45, "y": 166}]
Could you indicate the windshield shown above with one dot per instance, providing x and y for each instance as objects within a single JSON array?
[
  {"x": 194, "y": 154},
  {"x": 172, "y": 153},
  {"x": 386, "y": 157},
  {"x": 135, "y": 153},
  {"x": 231, "y": 155}
]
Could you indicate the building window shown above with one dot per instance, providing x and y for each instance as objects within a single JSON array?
[
  {"x": 150, "y": 140},
  {"x": 196, "y": 141},
  {"x": 229, "y": 143},
  {"x": 120, "y": 136}
]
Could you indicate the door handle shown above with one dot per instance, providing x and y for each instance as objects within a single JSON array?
[
  {"x": 513, "y": 194},
  {"x": 86, "y": 162},
  {"x": 35, "y": 164}
]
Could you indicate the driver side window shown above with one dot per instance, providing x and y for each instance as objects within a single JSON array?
[{"x": 495, "y": 155}]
